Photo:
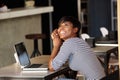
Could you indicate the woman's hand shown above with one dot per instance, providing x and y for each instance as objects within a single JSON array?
[{"x": 56, "y": 39}]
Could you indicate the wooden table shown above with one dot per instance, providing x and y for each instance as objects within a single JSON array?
[
  {"x": 13, "y": 72},
  {"x": 102, "y": 49},
  {"x": 106, "y": 44}
]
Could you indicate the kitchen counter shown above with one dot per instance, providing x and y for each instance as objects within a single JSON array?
[{"x": 20, "y": 12}]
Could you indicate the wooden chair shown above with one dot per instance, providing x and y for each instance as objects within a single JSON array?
[
  {"x": 66, "y": 72},
  {"x": 111, "y": 60},
  {"x": 112, "y": 76}
]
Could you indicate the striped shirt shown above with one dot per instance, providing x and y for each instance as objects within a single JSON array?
[{"x": 81, "y": 58}]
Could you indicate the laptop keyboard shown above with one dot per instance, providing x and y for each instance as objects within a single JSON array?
[{"x": 34, "y": 66}]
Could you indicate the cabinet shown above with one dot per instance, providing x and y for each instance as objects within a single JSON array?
[
  {"x": 114, "y": 15},
  {"x": 83, "y": 15}
]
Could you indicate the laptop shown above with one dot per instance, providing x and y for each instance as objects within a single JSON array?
[{"x": 24, "y": 59}]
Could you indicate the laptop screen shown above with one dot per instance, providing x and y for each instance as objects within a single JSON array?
[{"x": 22, "y": 54}]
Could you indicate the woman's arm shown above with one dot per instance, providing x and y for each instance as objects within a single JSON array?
[{"x": 57, "y": 42}]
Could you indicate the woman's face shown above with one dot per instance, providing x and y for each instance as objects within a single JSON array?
[{"x": 66, "y": 30}]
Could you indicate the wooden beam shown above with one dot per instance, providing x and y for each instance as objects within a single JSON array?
[{"x": 118, "y": 16}]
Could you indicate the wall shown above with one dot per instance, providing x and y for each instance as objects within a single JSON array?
[
  {"x": 99, "y": 16},
  {"x": 13, "y": 31}
]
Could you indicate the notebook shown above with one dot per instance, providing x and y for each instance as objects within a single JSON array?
[{"x": 24, "y": 60}]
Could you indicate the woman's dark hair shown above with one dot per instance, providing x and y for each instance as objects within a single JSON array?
[{"x": 74, "y": 21}]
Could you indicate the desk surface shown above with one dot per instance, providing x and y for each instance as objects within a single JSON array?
[
  {"x": 98, "y": 44},
  {"x": 14, "y": 70},
  {"x": 106, "y": 43},
  {"x": 102, "y": 49}
]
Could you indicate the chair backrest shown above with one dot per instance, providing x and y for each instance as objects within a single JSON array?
[
  {"x": 84, "y": 36},
  {"x": 113, "y": 76},
  {"x": 104, "y": 31},
  {"x": 105, "y": 63},
  {"x": 66, "y": 72}
]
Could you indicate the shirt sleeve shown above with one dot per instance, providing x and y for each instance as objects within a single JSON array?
[{"x": 62, "y": 57}]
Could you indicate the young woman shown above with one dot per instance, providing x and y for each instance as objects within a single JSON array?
[{"x": 68, "y": 46}]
